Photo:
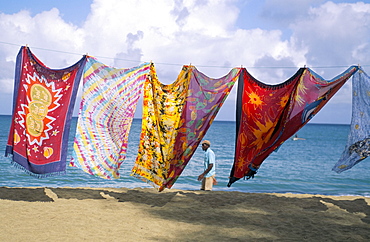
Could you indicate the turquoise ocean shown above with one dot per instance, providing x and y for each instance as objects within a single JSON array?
[{"x": 301, "y": 166}]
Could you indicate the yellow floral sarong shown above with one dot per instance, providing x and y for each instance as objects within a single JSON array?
[{"x": 175, "y": 119}]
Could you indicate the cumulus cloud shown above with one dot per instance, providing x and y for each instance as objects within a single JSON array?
[
  {"x": 199, "y": 32},
  {"x": 334, "y": 33},
  {"x": 132, "y": 54}
]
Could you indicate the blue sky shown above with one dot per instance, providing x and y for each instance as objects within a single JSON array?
[
  {"x": 279, "y": 35},
  {"x": 71, "y": 11}
]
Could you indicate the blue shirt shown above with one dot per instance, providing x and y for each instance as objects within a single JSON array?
[{"x": 209, "y": 158}]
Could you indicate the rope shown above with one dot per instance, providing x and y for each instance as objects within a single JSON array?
[{"x": 176, "y": 64}]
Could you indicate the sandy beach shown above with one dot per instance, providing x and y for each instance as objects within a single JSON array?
[{"x": 109, "y": 214}]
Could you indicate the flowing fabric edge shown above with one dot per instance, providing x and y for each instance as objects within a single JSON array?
[
  {"x": 34, "y": 57},
  {"x": 275, "y": 86},
  {"x": 45, "y": 175},
  {"x": 349, "y": 69}
]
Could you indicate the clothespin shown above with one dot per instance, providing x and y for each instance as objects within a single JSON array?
[{"x": 359, "y": 68}]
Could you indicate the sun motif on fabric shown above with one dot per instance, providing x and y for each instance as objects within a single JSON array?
[
  {"x": 284, "y": 100},
  {"x": 262, "y": 134},
  {"x": 42, "y": 98},
  {"x": 241, "y": 164},
  {"x": 255, "y": 100}
]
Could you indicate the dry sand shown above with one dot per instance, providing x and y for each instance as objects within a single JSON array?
[{"x": 88, "y": 214}]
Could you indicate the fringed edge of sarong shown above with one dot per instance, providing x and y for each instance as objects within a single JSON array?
[
  {"x": 51, "y": 174},
  {"x": 276, "y": 86}
]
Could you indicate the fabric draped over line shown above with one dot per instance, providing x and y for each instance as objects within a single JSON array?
[
  {"x": 175, "y": 119},
  {"x": 43, "y": 103},
  {"x": 358, "y": 143},
  {"x": 267, "y": 115},
  {"x": 107, "y": 109}
]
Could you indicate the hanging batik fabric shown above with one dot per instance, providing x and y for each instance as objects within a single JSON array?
[
  {"x": 268, "y": 115},
  {"x": 107, "y": 109},
  {"x": 358, "y": 144},
  {"x": 42, "y": 110},
  {"x": 175, "y": 119}
]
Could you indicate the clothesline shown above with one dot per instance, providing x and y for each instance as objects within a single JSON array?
[
  {"x": 177, "y": 64},
  {"x": 176, "y": 117}
]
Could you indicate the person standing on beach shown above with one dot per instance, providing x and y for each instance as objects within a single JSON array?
[{"x": 208, "y": 176}]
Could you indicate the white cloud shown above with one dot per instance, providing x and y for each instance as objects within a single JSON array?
[
  {"x": 199, "y": 32},
  {"x": 7, "y": 85},
  {"x": 334, "y": 34}
]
